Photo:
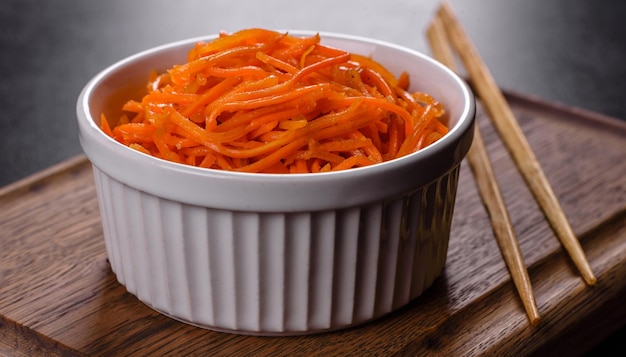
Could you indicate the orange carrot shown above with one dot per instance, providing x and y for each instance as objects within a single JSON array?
[
  {"x": 263, "y": 101},
  {"x": 104, "y": 125}
]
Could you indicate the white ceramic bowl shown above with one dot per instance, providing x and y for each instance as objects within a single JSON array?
[{"x": 276, "y": 254}]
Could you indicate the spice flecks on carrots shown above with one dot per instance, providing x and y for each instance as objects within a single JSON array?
[{"x": 263, "y": 101}]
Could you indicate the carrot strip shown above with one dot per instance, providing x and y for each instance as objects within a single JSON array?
[
  {"x": 104, "y": 125},
  {"x": 353, "y": 161},
  {"x": 132, "y": 106},
  {"x": 376, "y": 79}
]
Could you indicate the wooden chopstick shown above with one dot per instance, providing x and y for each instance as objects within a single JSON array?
[
  {"x": 513, "y": 137},
  {"x": 480, "y": 164}
]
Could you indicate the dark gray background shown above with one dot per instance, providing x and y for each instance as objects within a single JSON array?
[{"x": 567, "y": 51}]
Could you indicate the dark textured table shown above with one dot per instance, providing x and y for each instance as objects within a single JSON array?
[{"x": 570, "y": 52}]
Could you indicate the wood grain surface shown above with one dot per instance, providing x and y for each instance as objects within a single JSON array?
[{"x": 58, "y": 296}]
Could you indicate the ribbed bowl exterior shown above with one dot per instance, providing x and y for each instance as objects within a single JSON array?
[{"x": 276, "y": 273}]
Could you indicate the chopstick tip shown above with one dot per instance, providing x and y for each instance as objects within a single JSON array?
[
  {"x": 531, "y": 308},
  {"x": 535, "y": 320},
  {"x": 590, "y": 279}
]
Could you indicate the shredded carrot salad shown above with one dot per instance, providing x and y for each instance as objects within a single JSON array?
[{"x": 263, "y": 101}]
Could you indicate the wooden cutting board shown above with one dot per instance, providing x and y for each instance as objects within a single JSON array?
[{"x": 58, "y": 295}]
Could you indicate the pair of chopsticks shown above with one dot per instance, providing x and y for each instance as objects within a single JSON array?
[{"x": 444, "y": 34}]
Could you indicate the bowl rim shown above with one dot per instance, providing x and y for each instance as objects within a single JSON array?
[{"x": 90, "y": 133}]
